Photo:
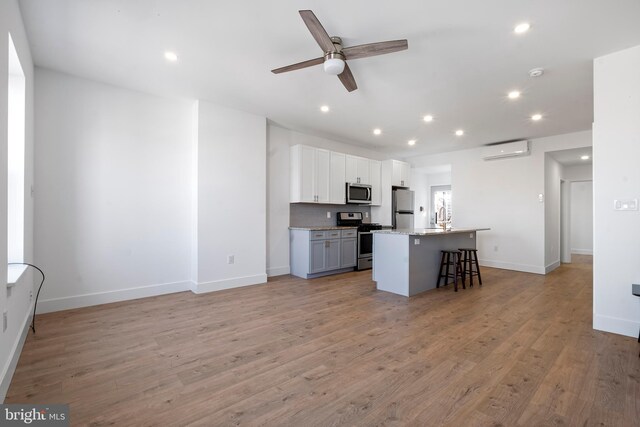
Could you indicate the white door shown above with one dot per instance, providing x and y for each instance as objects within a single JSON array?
[
  {"x": 338, "y": 180},
  {"x": 363, "y": 171},
  {"x": 396, "y": 174},
  {"x": 323, "y": 175},
  {"x": 376, "y": 183},
  {"x": 351, "y": 173},
  {"x": 307, "y": 174}
]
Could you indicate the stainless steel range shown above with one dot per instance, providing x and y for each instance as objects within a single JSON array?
[{"x": 365, "y": 236}]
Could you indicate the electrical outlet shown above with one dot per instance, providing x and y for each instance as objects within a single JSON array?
[
  {"x": 231, "y": 259},
  {"x": 471, "y": 235},
  {"x": 328, "y": 214},
  {"x": 366, "y": 214},
  {"x": 4, "y": 321},
  {"x": 495, "y": 248},
  {"x": 416, "y": 241}
]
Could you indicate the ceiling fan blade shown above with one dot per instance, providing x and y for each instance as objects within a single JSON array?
[
  {"x": 317, "y": 31},
  {"x": 346, "y": 77},
  {"x": 373, "y": 49},
  {"x": 298, "y": 66}
]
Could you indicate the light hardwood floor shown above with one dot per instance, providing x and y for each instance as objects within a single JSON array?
[{"x": 519, "y": 351}]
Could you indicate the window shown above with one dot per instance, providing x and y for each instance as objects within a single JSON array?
[
  {"x": 440, "y": 204},
  {"x": 15, "y": 150}
]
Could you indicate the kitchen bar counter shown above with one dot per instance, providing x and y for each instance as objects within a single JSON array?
[
  {"x": 323, "y": 227},
  {"x": 406, "y": 261}
]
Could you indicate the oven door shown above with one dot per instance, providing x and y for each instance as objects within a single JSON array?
[{"x": 365, "y": 251}]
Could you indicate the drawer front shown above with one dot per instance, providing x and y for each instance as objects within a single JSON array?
[
  {"x": 349, "y": 233},
  {"x": 332, "y": 234},
  {"x": 317, "y": 235}
]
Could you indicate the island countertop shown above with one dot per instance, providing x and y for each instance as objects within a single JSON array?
[{"x": 429, "y": 231}]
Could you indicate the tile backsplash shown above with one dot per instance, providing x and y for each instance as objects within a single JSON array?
[{"x": 311, "y": 214}]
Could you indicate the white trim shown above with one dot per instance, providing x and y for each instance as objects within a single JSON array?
[
  {"x": 278, "y": 271},
  {"x": 511, "y": 266},
  {"x": 77, "y": 301},
  {"x": 10, "y": 367},
  {"x": 582, "y": 251},
  {"x": 549, "y": 268},
  {"x": 235, "y": 282},
  {"x": 616, "y": 325}
]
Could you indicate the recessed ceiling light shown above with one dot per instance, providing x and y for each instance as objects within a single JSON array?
[
  {"x": 324, "y": 108},
  {"x": 377, "y": 131},
  {"x": 459, "y": 132},
  {"x": 428, "y": 118},
  {"x": 522, "y": 28},
  {"x": 412, "y": 142},
  {"x": 514, "y": 94},
  {"x": 170, "y": 56},
  {"x": 536, "y": 117},
  {"x": 584, "y": 157}
]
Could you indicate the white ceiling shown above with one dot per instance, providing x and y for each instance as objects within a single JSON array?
[{"x": 463, "y": 58}]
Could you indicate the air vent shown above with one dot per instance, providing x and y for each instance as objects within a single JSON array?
[{"x": 501, "y": 151}]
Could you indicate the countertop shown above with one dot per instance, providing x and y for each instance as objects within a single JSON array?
[
  {"x": 325, "y": 227},
  {"x": 429, "y": 231}
]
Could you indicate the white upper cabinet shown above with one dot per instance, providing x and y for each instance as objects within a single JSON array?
[
  {"x": 375, "y": 168},
  {"x": 317, "y": 175},
  {"x": 400, "y": 174},
  {"x": 338, "y": 179},
  {"x": 358, "y": 170}
]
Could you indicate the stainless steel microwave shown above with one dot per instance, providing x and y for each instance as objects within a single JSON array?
[{"x": 358, "y": 193}]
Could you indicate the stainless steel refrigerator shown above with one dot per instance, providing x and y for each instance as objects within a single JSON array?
[{"x": 402, "y": 203}]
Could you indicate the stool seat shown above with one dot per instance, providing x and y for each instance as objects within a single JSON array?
[
  {"x": 470, "y": 265},
  {"x": 451, "y": 258}
]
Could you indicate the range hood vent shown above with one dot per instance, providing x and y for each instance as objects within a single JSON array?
[{"x": 501, "y": 151}]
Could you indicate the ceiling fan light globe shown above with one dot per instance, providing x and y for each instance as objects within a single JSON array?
[{"x": 334, "y": 66}]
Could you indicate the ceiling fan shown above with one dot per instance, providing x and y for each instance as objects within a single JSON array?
[{"x": 335, "y": 56}]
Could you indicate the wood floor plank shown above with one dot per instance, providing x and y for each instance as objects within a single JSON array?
[{"x": 517, "y": 351}]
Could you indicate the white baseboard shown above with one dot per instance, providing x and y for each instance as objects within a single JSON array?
[
  {"x": 616, "y": 325},
  {"x": 77, "y": 301},
  {"x": 16, "y": 350},
  {"x": 525, "y": 268},
  {"x": 278, "y": 271},
  {"x": 582, "y": 251},
  {"x": 236, "y": 282},
  {"x": 549, "y": 268}
]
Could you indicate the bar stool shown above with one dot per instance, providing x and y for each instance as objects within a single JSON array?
[
  {"x": 469, "y": 261},
  {"x": 451, "y": 258}
]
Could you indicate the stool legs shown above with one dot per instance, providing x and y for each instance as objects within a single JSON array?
[
  {"x": 451, "y": 259},
  {"x": 475, "y": 256},
  {"x": 440, "y": 272}
]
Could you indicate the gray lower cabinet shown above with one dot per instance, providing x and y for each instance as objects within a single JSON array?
[
  {"x": 349, "y": 252},
  {"x": 321, "y": 252}
]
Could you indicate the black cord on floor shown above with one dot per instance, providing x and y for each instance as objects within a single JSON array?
[{"x": 35, "y": 305}]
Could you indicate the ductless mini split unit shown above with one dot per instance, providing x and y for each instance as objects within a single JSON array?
[{"x": 502, "y": 151}]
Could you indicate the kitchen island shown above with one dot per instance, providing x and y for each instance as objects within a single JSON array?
[{"x": 406, "y": 261}]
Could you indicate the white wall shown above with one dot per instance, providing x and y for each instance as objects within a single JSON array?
[
  {"x": 552, "y": 175},
  {"x": 616, "y": 175},
  {"x": 279, "y": 140},
  {"x": 112, "y": 188},
  {"x": 577, "y": 172},
  {"x": 19, "y": 305},
  {"x": 232, "y": 182},
  {"x": 503, "y": 195},
  {"x": 582, "y": 217}
]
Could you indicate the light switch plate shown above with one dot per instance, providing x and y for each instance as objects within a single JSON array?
[{"x": 625, "y": 205}]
